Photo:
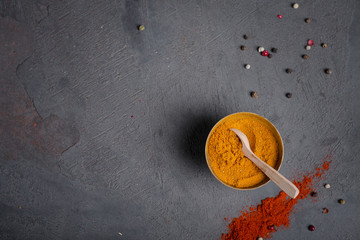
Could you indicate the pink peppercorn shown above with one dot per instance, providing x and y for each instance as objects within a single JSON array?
[
  {"x": 271, "y": 227},
  {"x": 265, "y": 53},
  {"x": 310, "y": 42},
  {"x": 279, "y": 16},
  {"x": 311, "y": 228}
]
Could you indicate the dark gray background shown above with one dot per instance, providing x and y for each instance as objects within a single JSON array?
[{"x": 88, "y": 170}]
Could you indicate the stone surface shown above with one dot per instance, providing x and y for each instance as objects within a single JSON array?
[{"x": 103, "y": 127}]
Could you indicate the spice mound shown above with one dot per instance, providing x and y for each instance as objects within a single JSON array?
[
  {"x": 226, "y": 159},
  {"x": 273, "y": 213}
]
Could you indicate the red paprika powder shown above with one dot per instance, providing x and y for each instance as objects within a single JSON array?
[{"x": 273, "y": 211}]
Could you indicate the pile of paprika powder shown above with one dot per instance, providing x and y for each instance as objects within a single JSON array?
[{"x": 273, "y": 212}]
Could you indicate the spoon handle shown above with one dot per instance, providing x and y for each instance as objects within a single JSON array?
[{"x": 288, "y": 187}]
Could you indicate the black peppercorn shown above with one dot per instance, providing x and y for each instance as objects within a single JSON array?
[
  {"x": 288, "y": 95},
  {"x": 274, "y": 50},
  {"x": 314, "y": 194},
  {"x": 243, "y": 47},
  {"x": 246, "y": 37},
  {"x": 288, "y": 70},
  {"x": 305, "y": 56},
  {"x": 307, "y": 20},
  {"x": 270, "y": 56}
]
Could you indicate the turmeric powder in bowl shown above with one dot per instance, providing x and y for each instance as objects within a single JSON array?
[{"x": 226, "y": 159}]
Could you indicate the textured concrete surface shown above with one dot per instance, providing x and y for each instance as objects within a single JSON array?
[{"x": 103, "y": 127}]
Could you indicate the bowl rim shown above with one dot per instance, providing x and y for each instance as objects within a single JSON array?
[{"x": 278, "y": 137}]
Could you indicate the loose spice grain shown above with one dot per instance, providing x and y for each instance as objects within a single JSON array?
[
  {"x": 325, "y": 210},
  {"x": 314, "y": 194},
  {"x": 254, "y": 95},
  {"x": 265, "y": 53},
  {"x": 311, "y": 228},
  {"x": 328, "y": 71},
  {"x": 141, "y": 27}
]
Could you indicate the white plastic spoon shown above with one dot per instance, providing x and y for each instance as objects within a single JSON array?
[{"x": 288, "y": 187}]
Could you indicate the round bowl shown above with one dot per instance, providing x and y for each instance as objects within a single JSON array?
[{"x": 272, "y": 129}]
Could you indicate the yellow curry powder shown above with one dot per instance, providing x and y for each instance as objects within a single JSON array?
[{"x": 226, "y": 158}]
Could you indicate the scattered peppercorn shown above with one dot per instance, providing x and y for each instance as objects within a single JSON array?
[
  {"x": 261, "y": 49},
  {"x": 342, "y": 201},
  {"x": 305, "y": 56},
  {"x": 295, "y": 5},
  {"x": 323, "y": 45},
  {"x": 141, "y": 27},
  {"x": 243, "y": 47},
  {"x": 314, "y": 194},
  {"x": 270, "y": 56},
  {"x": 274, "y": 50},
  {"x": 259, "y": 238},
  {"x": 307, "y": 47},
  {"x": 246, "y": 37},
  {"x": 279, "y": 16},
  {"x": 288, "y": 70},
  {"x": 254, "y": 95},
  {"x": 307, "y": 20},
  {"x": 327, "y": 185},
  {"x": 311, "y": 228},
  {"x": 247, "y": 66},
  {"x": 288, "y": 95},
  {"x": 325, "y": 210},
  {"x": 328, "y": 71},
  {"x": 271, "y": 227},
  {"x": 265, "y": 53},
  {"x": 310, "y": 42}
]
